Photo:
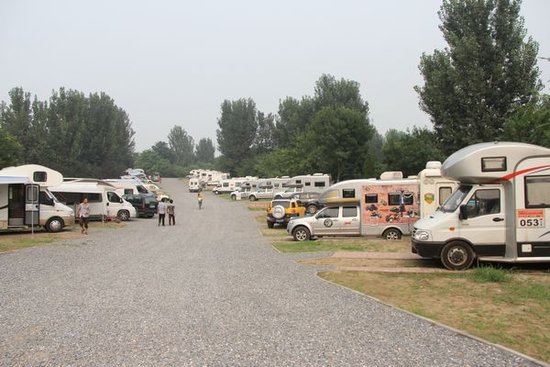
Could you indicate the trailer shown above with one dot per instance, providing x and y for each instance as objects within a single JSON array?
[
  {"x": 26, "y": 202},
  {"x": 498, "y": 213},
  {"x": 368, "y": 207}
]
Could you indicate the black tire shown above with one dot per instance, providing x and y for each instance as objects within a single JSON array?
[
  {"x": 233, "y": 197},
  {"x": 301, "y": 233},
  {"x": 123, "y": 215},
  {"x": 392, "y": 234},
  {"x": 276, "y": 197},
  {"x": 270, "y": 224},
  {"x": 252, "y": 198},
  {"x": 457, "y": 255},
  {"x": 55, "y": 224},
  {"x": 312, "y": 209}
]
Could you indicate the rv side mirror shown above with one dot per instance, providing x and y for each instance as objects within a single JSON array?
[
  {"x": 463, "y": 212},
  {"x": 121, "y": 201}
]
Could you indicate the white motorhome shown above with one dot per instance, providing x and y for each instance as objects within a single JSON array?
[
  {"x": 104, "y": 202},
  {"x": 499, "y": 212},
  {"x": 194, "y": 184},
  {"x": 388, "y": 206},
  {"x": 230, "y": 185},
  {"x": 26, "y": 202},
  {"x": 315, "y": 182},
  {"x": 128, "y": 186}
]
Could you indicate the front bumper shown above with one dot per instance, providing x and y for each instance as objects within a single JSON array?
[{"x": 427, "y": 249}]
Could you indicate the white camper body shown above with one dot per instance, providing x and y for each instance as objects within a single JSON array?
[
  {"x": 500, "y": 212},
  {"x": 128, "y": 187},
  {"x": 26, "y": 202},
  {"x": 315, "y": 182},
  {"x": 104, "y": 202},
  {"x": 369, "y": 207},
  {"x": 194, "y": 184},
  {"x": 230, "y": 185}
]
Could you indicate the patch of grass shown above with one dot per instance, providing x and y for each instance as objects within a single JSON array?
[
  {"x": 19, "y": 240},
  {"x": 513, "y": 313},
  {"x": 351, "y": 245},
  {"x": 485, "y": 274},
  {"x": 255, "y": 208}
]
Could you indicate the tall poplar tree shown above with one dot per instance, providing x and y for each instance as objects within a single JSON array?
[{"x": 484, "y": 75}]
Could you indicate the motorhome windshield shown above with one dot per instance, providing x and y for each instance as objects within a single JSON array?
[{"x": 452, "y": 203}]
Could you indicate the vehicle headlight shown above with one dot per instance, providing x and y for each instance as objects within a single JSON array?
[{"x": 421, "y": 235}]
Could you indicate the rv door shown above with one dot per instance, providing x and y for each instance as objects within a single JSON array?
[{"x": 32, "y": 205}]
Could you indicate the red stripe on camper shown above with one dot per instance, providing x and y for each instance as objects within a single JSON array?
[{"x": 517, "y": 173}]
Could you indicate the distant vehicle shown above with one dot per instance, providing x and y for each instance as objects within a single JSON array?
[
  {"x": 230, "y": 185},
  {"x": 309, "y": 200},
  {"x": 146, "y": 205},
  {"x": 288, "y": 192},
  {"x": 261, "y": 193},
  {"x": 194, "y": 184},
  {"x": 26, "y": 202},
  {"x": 128, "y": 186},
  {"x": 282, "y": 211},
  {"x": 104, "y": 201}
]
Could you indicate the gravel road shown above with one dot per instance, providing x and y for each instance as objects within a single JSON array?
[{"x": 209, "y": 291}]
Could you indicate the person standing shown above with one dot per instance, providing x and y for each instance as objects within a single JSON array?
[
  {"x": 171, "y": 211},
  {"x": 83, "y": 214},
  {"x": 161, "y": 210},
  {"x": 199, "y": 198}
]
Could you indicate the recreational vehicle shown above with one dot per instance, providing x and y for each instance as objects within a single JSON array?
[
  {"x": 26, "y": 202},
  {"x": 315, "y": 182},
  {"x": 104, "y": 202},
  {"x": 128, "y": 187},
  {"x": 194, "y": 184},
  {"x": 388, "y": 206},
  {"x": 229, "y": 185},
  {"x": 499, "y": 212}
]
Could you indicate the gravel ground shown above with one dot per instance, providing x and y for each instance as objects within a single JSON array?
[{"x": 208, "y": 292}]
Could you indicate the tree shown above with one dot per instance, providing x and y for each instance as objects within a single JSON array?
[
  {"x": 293, "y": 117},
  {"x": 487, "y": 72},
  {"x": 264, "y": 141},
  {"x": 10, "y": 154},
  {"x": 182, "y": 146},
  {"x": 336, "y": 142},
  {"x": 330, "y": 92},
  {"x": 164, "y": 151},
  {"x": 205, "y": 151},
  {"x": 409, "y": 151},
  {"x": 530, "y": 124},
  {"x": 237, "y": 131}
]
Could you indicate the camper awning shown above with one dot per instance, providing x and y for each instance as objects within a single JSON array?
[{"x": 8, "y": 180}]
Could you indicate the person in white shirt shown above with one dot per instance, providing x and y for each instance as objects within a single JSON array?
[{"x": 161, "y": 210}]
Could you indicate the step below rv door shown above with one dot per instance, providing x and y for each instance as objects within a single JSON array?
[{"x": 32, "y": 205}]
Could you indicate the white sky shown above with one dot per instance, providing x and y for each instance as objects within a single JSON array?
[{"x": 172, "y": 63}]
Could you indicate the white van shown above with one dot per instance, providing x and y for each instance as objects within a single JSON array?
[
  {"x": 104, "y": 202},
  {"x": 499, "y": 212},
  {"x": 26, "y": 202},
  {"x": 388, "y": 207},
  {"x": 128, "y": 187}
]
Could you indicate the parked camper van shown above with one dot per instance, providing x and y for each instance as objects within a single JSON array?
[
  {"x": 388, "y": 206},
  {"x": 194, "y": 184},
  {"x": 26, "y": 202},
  {"x": 229, "y": 185},
  {"x": 499, "y": 212},
  {"x": 315, "y": 182},
  {"x": 104, "y": 201},
  {"x": 128, "y": 187}
]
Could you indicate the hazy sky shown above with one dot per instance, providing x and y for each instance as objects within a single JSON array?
[{"x": 172, "y": 63}]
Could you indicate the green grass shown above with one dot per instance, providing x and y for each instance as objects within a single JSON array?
[
  {"x": 489, "y": 274},
  {"x": 17, "y": 242},
  {"x": 317, "y": 246}
]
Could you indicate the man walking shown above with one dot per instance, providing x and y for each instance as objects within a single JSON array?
[{"x": 161, "y": 210}]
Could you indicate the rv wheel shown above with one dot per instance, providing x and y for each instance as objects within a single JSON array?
[
  {"x": 54, "y": 225},
  {"x": 457, "y": 255},
  {"x": 123, "y": 215},
  {"x": 233, "y": 197},
  {"x": 301, "y": 234},
  {"x": 392, "y": 234},
  {"x": 252, "y": 198}
]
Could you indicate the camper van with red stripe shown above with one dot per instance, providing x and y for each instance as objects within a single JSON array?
[{"x": 499, "y": 212}]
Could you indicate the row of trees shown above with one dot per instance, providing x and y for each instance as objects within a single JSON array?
[
  {"x": 484, "y": 86},
  {"x": 78, "y": 135}
]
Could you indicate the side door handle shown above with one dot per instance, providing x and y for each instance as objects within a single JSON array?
[{"x": 498, "y": 219}]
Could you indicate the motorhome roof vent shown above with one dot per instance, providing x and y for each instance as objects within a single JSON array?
[
  {"x": 318, "y": 174},
  {"x": 433, "y": 165},
  {"x": 391, "y": 175}
]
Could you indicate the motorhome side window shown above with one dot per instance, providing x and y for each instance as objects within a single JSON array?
[
  {"x": 45, "y": 199},
  {"x": 40, "y": 176},
  {"x": 371, "y": 198},
  {"x": 484, "y": 202},
  {"x": 444, "y": 194},
  {"x": 319, "y": 183},
  {"x": 395, "y": 198},
  {"x": 32, "y": 194},
  {"x": 537, "y": 192},
  {"x": 493, "y": 164},
  {"x": 348, "y": 193}
]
